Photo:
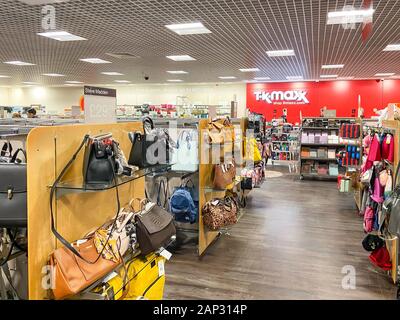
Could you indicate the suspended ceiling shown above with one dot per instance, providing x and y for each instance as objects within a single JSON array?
[{"x": 242, "y": 32}]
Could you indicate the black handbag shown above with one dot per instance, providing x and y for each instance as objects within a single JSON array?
[
  {"x": 99, "y": 165},
  {"x": 13, "y": 193},
  {"x": 150, "y": 148},
  {"x": 154, "y": 229},
  {"x": 247, "y": 183}
]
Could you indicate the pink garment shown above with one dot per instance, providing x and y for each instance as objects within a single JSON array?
[
  {"x": 375, "y": 150},
  {"x": 377, "y": 196},
  {"x": 368, "y": 220},
  {"x": 388, "y": 148}
]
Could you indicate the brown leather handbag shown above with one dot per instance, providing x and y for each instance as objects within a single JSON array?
[
  {"x": 219, "y": 213},
  {"x": 71, "y": 274},
  {"x": 221, "y": 131},
  {"x": 224, "y": 174},
  {"x": 154, "y": 228}
]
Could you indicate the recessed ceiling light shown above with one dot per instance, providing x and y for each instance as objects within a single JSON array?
[
  {"x": 1, "y": 76},
  {"x": 175, "y": 80},
  {"x": 112, "y": 73},
  {"x": 294, "y": 78},
  {"x": 346, "y": 78},
  {"x": 122, "y": 81},
  {"x": 280, "y": 53},
  {"x": 61, "y": 36},
  {"x": 20, "y": 63},
  {"x": 392, "y": 47},
  {"x": 328, "y": 75},
  {"x": 349, "y": 16},
  {"x": 181, "y": 58},
  {"x": 29, "y": 82},
  {"x": 262, "y": 78},
  {"x": 53, "y": 75},
  {"x": 249, "y": 70},
  {"x": 188, "y": 28},
  {"x": 177, "y": 72},
  {"x": 332, "y": 66},
  {"x": 384, "y": 74},
  {"x": 94, "y": 60},
  {"x": 74, "y": 82},
  {"x": 227, "y": 77}
]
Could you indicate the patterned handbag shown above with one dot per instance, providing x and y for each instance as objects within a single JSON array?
[{"x": 219, "y": 213}]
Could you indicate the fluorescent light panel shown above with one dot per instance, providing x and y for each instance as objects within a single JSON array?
[
  {"x": 29, "y": 82},
  {"x": 53, "y": 75},
  {"x": 384, "y": 74},
  {"x": 112, "y": 73},
  {"x": 249, "y": 70},
  {"x": 262, "y": 78},
  {"x": 19, "y": 63},
  {"x": 175, "y": 80},
  {"x": 332, "y": 66},
  {"x": 294, "y": 78},
  {"x": 349, "y": 16},
  {"x": 227, "y": 77},
  {"x": 61, "y": 36},
  {"x": 181, "y": 58},
  {"x": 177, "y": 72},
  {"x": 122, "y": 81},
  {"x": 2, "y": 76},
  {"x": 74, "y": 82},
  {"x": 280, "y": 53},
  {"x": 94, "y": 60},
  {"x": 346, "y": 78},
  {"x": 328, "y": 75},
  {"x": 392, "y": 47},
  {"x": 188, "y": 28}
]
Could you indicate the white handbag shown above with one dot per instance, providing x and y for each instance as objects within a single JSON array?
[{"x": 186, "y": 155}]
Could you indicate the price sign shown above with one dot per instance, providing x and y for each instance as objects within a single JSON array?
[{"x": 100, "y": 105}]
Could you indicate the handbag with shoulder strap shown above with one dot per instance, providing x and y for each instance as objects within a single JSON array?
[
  {"x": 219, "y": 213},
  {"x": 224, "y": 174}
]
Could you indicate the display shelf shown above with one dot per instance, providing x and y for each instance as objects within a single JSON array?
[
  {"x": 319, "y": 159},
  {"x": 78, "y": 186},
  {"x": 323, "y": 176},
  {"x": 321, "y": 128},
  {"x": 324, "y": 144}
]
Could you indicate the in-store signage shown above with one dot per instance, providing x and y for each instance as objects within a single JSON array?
[
  {"x": 100, "y": 105},
  {"x": 103, "y": 92},
  {"x": 275, "y": 97}
]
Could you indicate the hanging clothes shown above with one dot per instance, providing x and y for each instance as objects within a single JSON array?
[{"x": 388, "y": 148}]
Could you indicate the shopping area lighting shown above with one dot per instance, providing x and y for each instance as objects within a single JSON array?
[
  {"x": 329, "y": 76},
  {"x": 227, "y": 77},
  {"x": 74, "y": 82},
  {"x": 61, "y": 36},
  {"x": 112, "y": 73},
  {"x": 249, "y": 70},
  {"x": 392, "y": 47},
  {"x": 94, "y": 60},
  {"x": 19, "y": 63},
  {"x": 188, "y": 28},
  {"x": 181, "y": 58},
  {"x": 29, "y": 83},
  {"x": 177, "y": 72},
  {"x": 53, "y": 75},
  {"x": 333, "y": 66},
  {"x": 294, "y": 78},
  {"x": 350, "y": 16},
  {"x": 2, "y": 76},
  {"x": 122, "y": 81},
  {"x": 280, "y": 53},
  {"x": 175, "y": 80},
  {"x": 389, "y": 74},
  {"x": 262, "y": 78}
]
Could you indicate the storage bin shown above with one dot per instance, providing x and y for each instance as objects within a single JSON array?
[
  {"x": 304, "y": 137},
  {"x": 322, "y": 153},
  {"x": 313, "y": 153},
  {"x": 311, "y": 137},
  {"x": 305, "y": 152},
  {"x": 332, "y": 153}
]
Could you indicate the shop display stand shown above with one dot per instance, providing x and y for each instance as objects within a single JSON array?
[
  {"x": 49, "y": 149},
  {"x": 326, "y": 160}
]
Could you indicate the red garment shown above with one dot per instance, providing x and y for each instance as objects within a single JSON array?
[
  {"x": 381, "y": 258},
  {"x": 388, "y": 148},
  {"x": 374, "y": 150}
]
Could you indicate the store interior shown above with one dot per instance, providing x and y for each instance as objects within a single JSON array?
[{"x": 199, "y": 150}]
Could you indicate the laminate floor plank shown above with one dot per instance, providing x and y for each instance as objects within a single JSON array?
[{"x": 292, "y": 243}]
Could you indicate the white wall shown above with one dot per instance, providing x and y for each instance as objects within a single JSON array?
[
  {"x": 4, "y": 96},
  {"x": 56, "y": 99}
]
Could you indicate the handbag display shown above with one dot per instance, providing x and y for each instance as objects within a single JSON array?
[
  {"x": 151, "y": 147},
  {"x": 185, "y": 157},
  {"x": 221, "y": 131},
  {"x": 154, "y": 228},
  {"x": 72, "y": 274},
  {"x": 219, "y": 213},
  {"x": 13, "y": 193},
  {"x": 224, "y": 174}
]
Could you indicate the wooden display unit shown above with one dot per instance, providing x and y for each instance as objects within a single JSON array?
[{"x": 77, "y": 213}]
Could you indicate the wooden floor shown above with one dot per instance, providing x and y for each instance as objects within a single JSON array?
[{"x": 292, "y": 243}]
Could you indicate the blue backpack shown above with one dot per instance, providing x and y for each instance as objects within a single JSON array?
[{"x": 182, "y": 206}]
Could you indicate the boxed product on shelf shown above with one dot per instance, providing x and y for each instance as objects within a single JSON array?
[
  {"x": 322, "y": 152},
  {"x": 322, "y": 169},
  {"x": 324, "y": 137},
  {"x": 317, "y": 137},
  {"x": 305, "y": 152},
  {"x": 332, "y": 153},
  {"x": 333, "y": 169},
  {"x": 313, "y": 153},
  {"x": 304, "y": 137},
  {"x": 311, "y": 137},
  {"x": 333, "y": 137}
]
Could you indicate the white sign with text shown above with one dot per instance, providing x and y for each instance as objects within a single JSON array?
[{"x": 100, "y": 105}]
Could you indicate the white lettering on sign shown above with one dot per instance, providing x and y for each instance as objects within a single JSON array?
[{"x": 280, "y": 97}]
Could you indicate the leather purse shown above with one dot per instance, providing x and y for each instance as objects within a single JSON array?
[
  {"x": 151, "y": 147},
  {"x": 224, "y": 174},
  {"x": 71, "y": 274},
  {"x": 154, "y": 228},
  {"x": 99, "y": 164},
  {"x": 13, "y": 193},
  {"x": 221, "y": 131},
  {"x": 219, "y": 213}
]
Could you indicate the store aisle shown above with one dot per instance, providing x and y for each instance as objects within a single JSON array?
[{"x": 292, "y": 243}]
